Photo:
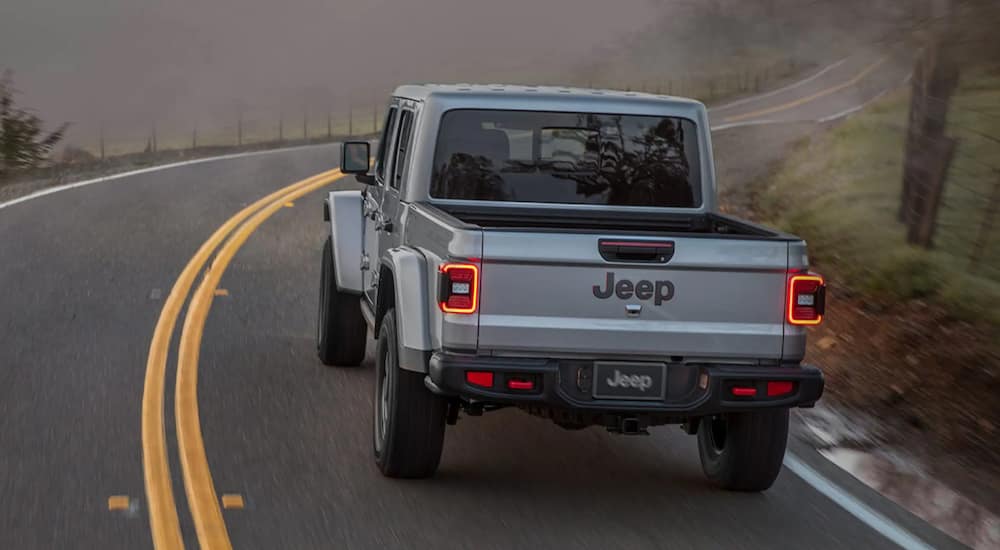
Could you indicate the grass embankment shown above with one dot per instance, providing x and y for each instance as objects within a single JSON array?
[
  {"x": 912, "y": 336},
  {"x": 841, "y": 191}
]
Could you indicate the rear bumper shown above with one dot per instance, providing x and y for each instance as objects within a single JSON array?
[{"x": 563, "y": 384}]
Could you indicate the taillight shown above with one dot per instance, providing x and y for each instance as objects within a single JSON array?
[
  {"x": 806, "y": 299},
  {"x": 459, "y": 288}
]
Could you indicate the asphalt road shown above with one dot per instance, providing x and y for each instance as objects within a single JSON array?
[{"x": 83, "y": 276}]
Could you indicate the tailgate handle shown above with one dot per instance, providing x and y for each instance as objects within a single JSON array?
[{"x": 614, "y": 250}]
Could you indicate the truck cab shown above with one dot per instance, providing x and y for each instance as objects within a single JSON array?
[{"x": 561, "y": 251}]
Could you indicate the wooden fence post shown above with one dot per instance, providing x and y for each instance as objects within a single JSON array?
[
  {"x": 985, "y": 227},
  {"x": 912, "y": 158}
]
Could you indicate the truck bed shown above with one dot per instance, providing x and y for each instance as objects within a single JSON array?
[{"x": 553, "y": 219}]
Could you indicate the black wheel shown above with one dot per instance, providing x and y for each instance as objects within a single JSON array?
[
  {"x": 341, "y": 331},
  {"x": 409, "y": 420},
  {"x": 743, "y": 451}
]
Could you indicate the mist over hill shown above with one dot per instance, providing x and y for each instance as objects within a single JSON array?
[
  {"x": 179, "y": 65},
  {"x": 131, "y": 64}
]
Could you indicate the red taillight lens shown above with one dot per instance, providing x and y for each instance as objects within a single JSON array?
[
  {"x": 459, "y": 288},
  {"x": 806, "y": 299}
]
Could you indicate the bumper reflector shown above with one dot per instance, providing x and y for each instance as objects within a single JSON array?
[
  {"x": 523, "y": 385},
  {"x": 782, "y": 387},
  {"x": 482, "y": 379},
  {"x": 744, "y": 391}
]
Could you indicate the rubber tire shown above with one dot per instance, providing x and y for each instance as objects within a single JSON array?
[
  {"x": 752, "y": 452},
  {"x": 414, "y": 435},
  {"x": 342, "y": 333}
]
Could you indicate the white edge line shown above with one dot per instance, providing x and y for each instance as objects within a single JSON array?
[
  {"x": 121, "y": 175},
  {"x": 881, "y": 524},
  {"x": 828, "y": 118},
  {"x": 791, "y": 86},
  {"x": 753, "y": 123},
  {"x": 857, "y": 108}
]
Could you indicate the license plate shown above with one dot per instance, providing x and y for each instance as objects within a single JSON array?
[{"x": 614, "y": 380}]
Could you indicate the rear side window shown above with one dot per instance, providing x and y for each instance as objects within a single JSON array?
[
  {"x": 402, "y": 145},
  {"x": 383, "y": 143},
  {"x": 568, "y": 158}
]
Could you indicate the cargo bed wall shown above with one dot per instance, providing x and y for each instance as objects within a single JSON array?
[{"x": 506, "y": 216}]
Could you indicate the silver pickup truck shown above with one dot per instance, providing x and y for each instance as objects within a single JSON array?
[{"x": 561, "y": 251}]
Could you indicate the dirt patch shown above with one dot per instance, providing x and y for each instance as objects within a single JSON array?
[{"x": 931, "y": 380}]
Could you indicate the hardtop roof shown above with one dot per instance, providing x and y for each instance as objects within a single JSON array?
[{"x": 598, "y": 99}]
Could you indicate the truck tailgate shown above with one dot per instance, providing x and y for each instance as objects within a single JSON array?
[{"x": 716, "y": 297}]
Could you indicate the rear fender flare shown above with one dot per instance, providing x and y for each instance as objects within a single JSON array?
[{"x": 410, "y": 298}]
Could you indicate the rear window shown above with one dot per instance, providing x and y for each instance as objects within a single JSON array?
[{"x": 568, "y": 158}]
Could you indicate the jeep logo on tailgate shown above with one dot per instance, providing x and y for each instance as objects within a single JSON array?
[{"x": 659, "y": 291}]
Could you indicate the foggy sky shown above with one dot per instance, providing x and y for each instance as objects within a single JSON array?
[{"x": 128, "y": 63}]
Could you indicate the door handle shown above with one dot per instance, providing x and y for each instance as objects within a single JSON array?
[{"x": 644, "y": 251}]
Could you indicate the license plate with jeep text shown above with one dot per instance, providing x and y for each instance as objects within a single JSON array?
[{"x": 622, "y": 380}]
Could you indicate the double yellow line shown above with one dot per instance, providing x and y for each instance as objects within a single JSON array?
[
  {"x": 822, "y": 93},
  {"x": 202, "y": 500}
]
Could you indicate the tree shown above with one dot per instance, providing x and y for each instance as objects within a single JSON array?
[
  {"x": 23, "y": 143},
  {"x": 956, "y": 34}
]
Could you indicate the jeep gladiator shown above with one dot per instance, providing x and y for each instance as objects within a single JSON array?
[{"x": 561, "y": 251}]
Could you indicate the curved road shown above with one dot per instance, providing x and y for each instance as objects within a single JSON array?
[{"x": 83, "y": 278}]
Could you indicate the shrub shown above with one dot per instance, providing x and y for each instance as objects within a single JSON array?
[
  {"x": 972, "y": 298},
  {"x": 906, "y": 273},
  {"x": 23, "y": 144}
]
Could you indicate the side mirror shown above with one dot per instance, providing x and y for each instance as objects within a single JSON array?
[{"x": 355, "y": 158}]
